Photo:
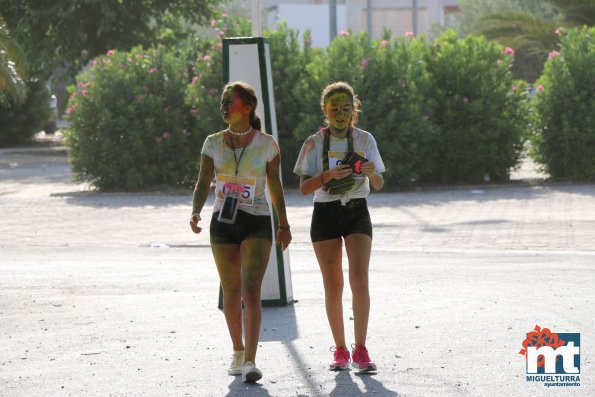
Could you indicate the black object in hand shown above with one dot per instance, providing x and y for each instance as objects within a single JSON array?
[{"x": 355, "y": 161}]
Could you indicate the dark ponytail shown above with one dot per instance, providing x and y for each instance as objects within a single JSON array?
[{"x": 247, "y": 94}]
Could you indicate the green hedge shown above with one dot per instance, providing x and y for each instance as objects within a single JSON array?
[
  {"x": 130, "y": 124},
  {"x": 479, "y": 113},
  {"x": 564, "y": 109},
  {"x": 442, "y": 112}
]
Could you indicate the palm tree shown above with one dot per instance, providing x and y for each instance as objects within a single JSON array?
[
  {"x": 12, "y": 68},
  {"x": 536, "y": 33}
]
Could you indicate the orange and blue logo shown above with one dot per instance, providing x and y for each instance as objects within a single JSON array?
[{"x": 552, "y": 358}]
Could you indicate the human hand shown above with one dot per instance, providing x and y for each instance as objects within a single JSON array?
[
  {"x": 368, "y": 168},
  {"x": 283, "y": 238},
  {"x": 341, "y": 171},
  {"x": 194, "y": 224}
]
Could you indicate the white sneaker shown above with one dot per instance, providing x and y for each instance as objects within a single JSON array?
[
  {"x": 250, "y": 373},
  {"x": 237, "y": 362}
]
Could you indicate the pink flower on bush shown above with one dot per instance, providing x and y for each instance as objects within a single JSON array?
[
  {"x": 383, "y": 43},
  {"x": 153, "y": 70},
  {"x": 509, "y": 51},
  {"x": 165, "y": 109},
  {"x": 224, "y": 15},
  {"x": 110, "y": 53},
  {"x": 559, "y": 31},
  {"x": 219, "y": 45},
  {"x": 344, "y": 33},
  {"x": 553, "y": 54},
  {"x": 539, "y": 88},
  {"x": 70, "y": 110},
  {"x": 94, "y": 62},
  {"x": 213, "y": 91},
  {"x": 514, "y": 88},
  {"x": 166, "y": 135},
  {"x": 194, "y": 80},
  {"x": 80, "y": 84},
  {"x": 409, "y": 34},
  {"x": 206, "y": 58},
  {"x": 85, "y": 93},
  {"x": 193, "y": 111},
  {"x": 73, "y": 95},
  {"x": 364, "y": 63},
  {"x": 213, "y": 23}
]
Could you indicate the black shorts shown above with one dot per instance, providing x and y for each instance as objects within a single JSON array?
[
  {"x": 245, "y": 227},
  {"x": 332, "y": 220}
]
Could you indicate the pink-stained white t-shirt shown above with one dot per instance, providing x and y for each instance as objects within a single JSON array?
[
  {"x": 309, "y": 162},
  {"x": 251, "y": 170}
]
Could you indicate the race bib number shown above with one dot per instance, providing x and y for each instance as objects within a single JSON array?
[{"x": 247, "y": 187}]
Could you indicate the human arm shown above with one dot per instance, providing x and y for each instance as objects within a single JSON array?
[
  {"x": 309, "y": 184},
  {"x": 278, "y": 201},
  {"x": 201, "y": 190},
  {"x": 376, "y": 180}
]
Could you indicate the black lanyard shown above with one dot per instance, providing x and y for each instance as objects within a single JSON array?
[
  {"x": 237, "y": 161},
  {"x": 327, "y": 144}
]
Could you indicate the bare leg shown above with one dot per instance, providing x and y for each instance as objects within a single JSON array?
[
  {"x": 358, "y": 247},
  {"x": 227, "y": 259},
  {"x": 328, "y": 253},
  {"x": 255, "y": 257}
]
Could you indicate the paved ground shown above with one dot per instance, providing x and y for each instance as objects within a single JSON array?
[{"x": 459, "y": 276}]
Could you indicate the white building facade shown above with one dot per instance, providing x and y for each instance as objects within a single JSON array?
[{"x": 372, "y": 16}]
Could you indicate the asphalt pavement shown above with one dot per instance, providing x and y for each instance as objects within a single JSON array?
[{"x": 110, "y": 294}]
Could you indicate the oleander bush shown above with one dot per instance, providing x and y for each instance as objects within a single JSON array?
[
  {"x": 130, "y": 123},
  {"x": 446, "y": 111},
  {"x": 564, "y": 109},
  {"x": 480, "y": 112}
]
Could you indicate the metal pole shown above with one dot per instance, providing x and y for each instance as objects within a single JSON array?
[
  {"x": 369, "y": 17},
  {"x": 333, "y": 18},
  {"x": 256, "y": 25},
  {"x": 414, "y": 6}
]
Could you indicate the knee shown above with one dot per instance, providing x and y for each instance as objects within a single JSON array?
[
  {"x": 334, "y": 288},
  {"x": 232, "y": 292},
  {"x": 251, "y": 293},
  {"x": 359, "y": 284}
]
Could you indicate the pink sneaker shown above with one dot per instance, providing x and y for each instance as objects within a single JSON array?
[
  {"x": 340, "y": 358},
  {"x": 361, "y": 359}
]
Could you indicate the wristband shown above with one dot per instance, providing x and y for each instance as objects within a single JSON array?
[{"x": 284, "y": 228}]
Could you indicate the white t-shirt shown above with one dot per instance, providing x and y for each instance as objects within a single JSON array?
[
  {"x": 309, "y": 162},
  {"x": 251, "y": 169}
]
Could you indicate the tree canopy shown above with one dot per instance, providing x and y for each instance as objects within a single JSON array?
[
  {"x": 12, "y": 67},
  {"x": 71, "y": 32}
]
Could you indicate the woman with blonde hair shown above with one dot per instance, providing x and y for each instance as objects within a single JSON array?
[{"x": 339, "y": 163}]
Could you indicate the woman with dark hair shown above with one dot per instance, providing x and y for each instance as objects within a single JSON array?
[
  {"x": 338, "y": 164},
  {"x": 243, "y": 161}
]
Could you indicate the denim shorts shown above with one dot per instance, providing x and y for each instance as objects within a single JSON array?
[
  {"x": 333, "y": 220},
  {"x": 246, "y": 226}
]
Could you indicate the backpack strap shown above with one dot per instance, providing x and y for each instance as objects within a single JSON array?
[{"x": 327, "y": 143}]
